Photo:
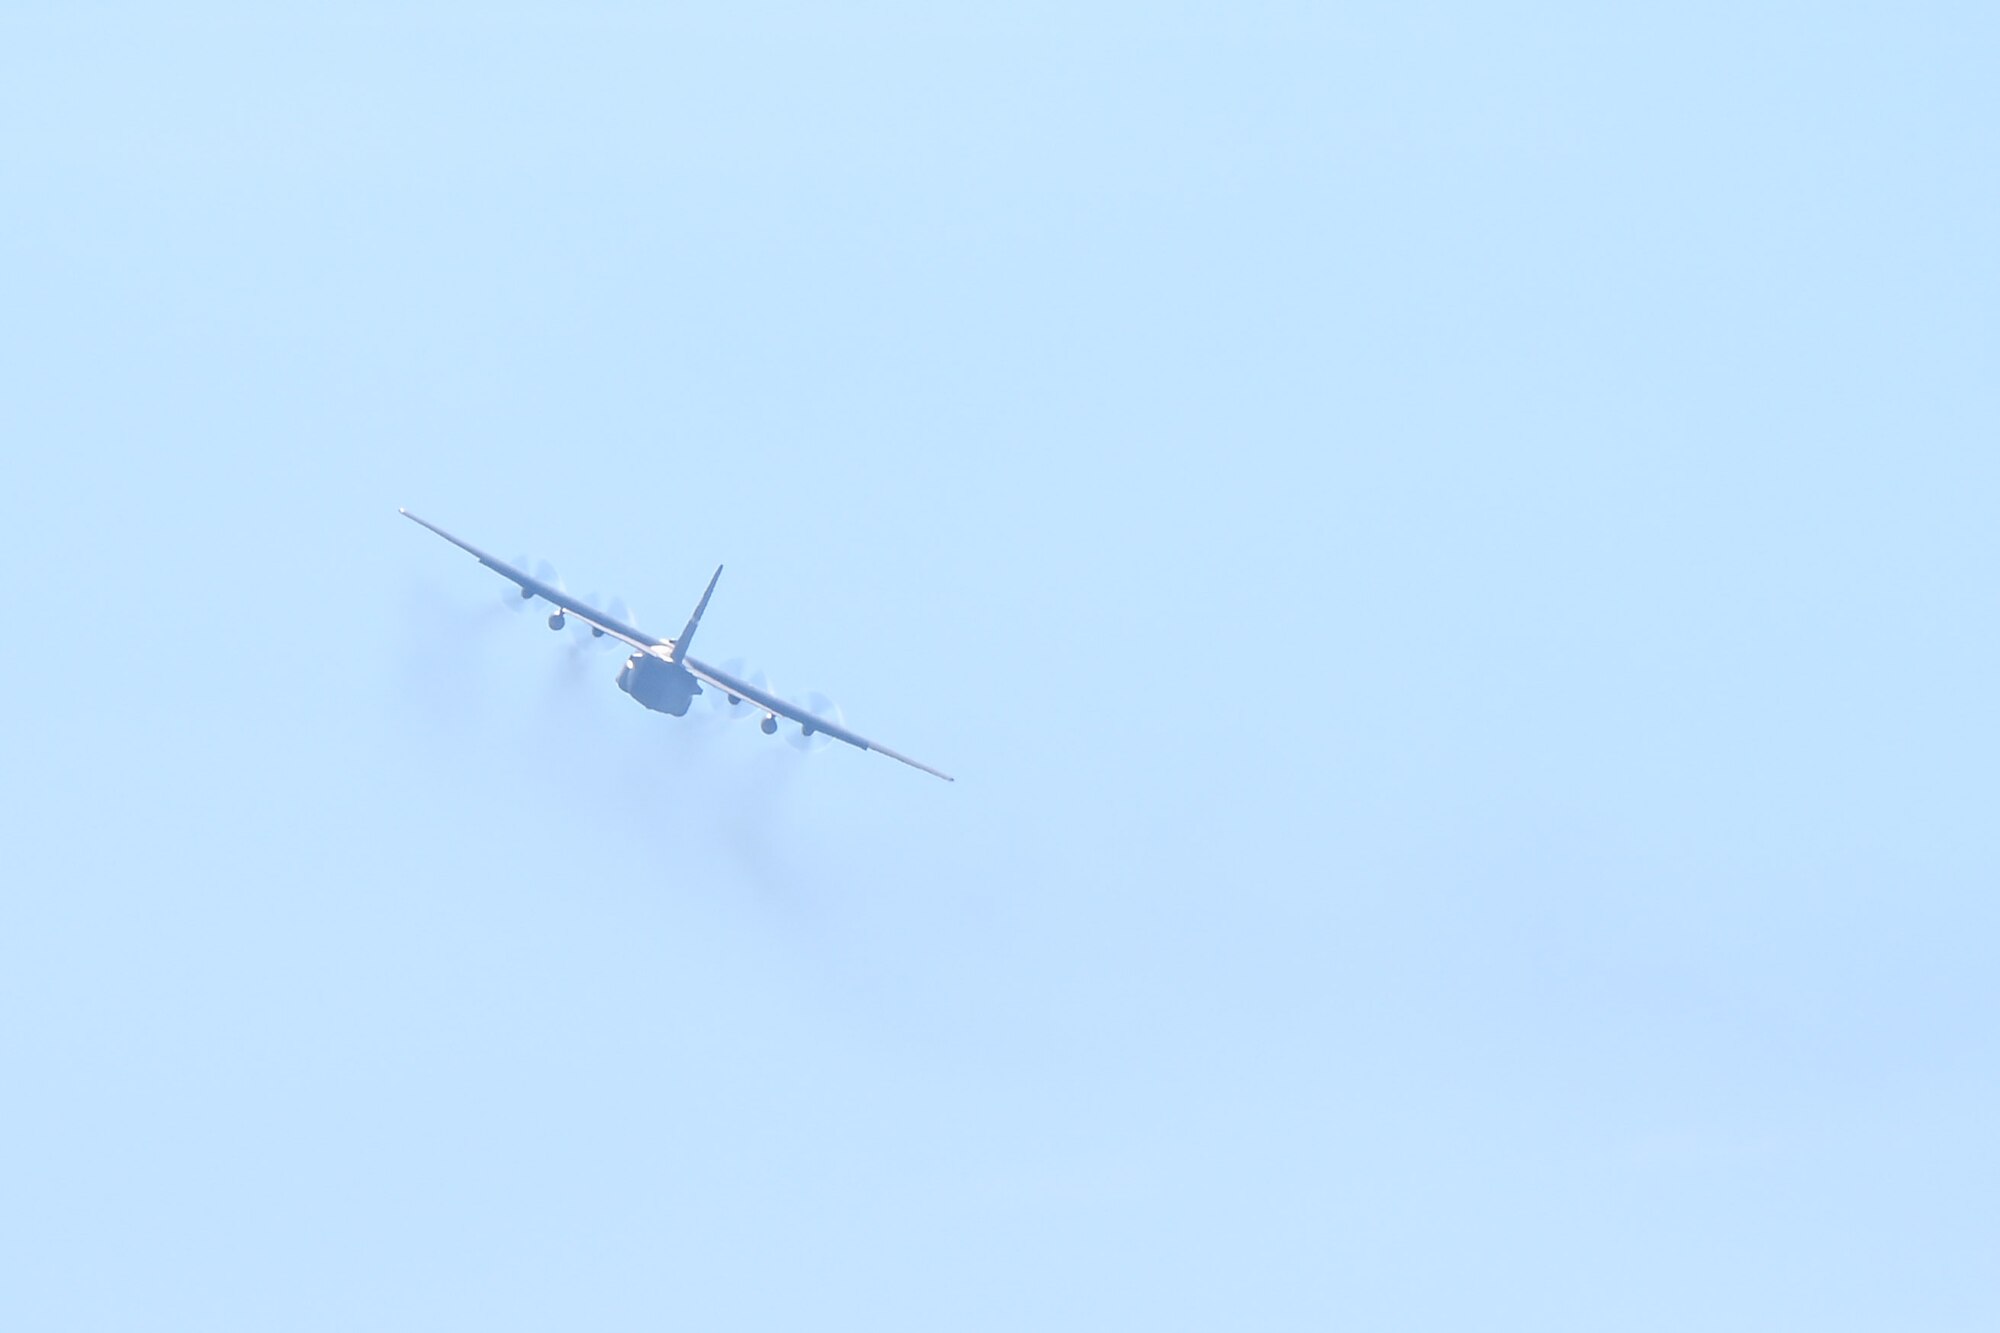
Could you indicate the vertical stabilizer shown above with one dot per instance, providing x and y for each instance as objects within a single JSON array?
[{"x": 687, "y": 635}]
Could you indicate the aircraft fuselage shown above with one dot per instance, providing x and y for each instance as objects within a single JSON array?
[
  {"x": 663, "y": 686},
  {"x": 659, "y": 673}
]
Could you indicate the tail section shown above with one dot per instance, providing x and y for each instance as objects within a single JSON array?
[{"x": 687, "y": 635}]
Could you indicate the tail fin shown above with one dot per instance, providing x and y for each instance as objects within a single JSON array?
[{"x": 687, "y": 635}]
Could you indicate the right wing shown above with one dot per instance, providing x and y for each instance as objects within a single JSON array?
[
  {"x": 743, "y": 689},
  {"x": 555, "y": 596}
]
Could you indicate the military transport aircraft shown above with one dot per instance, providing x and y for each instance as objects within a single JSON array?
[{"x": 659, "y": 673}]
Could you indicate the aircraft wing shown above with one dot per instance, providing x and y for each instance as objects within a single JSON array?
[
  {"x": 555, "y": 596},
  {"x": 769, "y": 702}
]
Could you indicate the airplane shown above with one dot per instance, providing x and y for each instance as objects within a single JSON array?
[{"x": 659, "y": 674}]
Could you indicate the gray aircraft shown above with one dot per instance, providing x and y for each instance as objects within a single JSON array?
[{"x": 659, "y": 673}]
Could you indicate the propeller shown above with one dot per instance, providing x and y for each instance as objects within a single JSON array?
[
  {"x": 719, "y": 702},
  {"x": 517, "y": 599},
  {"x": 546, "y": 572},
  {"x": 819, "y": 704},
  {"x": 618, "y": 611}
]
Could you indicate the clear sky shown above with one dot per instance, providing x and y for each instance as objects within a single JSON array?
[{"x": 1451, "y": 548}]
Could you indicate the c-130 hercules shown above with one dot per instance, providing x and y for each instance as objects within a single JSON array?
[{"x": 659, "y": 673}]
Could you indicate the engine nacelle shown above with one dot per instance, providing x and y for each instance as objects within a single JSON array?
[
  {"x": 556, "y": 620},
  {"x": 769, "y": 724}
]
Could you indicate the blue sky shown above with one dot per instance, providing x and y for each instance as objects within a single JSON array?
[{"x": 1452, "y": 553}]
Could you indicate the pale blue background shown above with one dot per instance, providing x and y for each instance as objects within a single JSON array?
[{"x": 1451, "y": 550}]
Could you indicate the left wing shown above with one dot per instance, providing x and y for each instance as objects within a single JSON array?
[
  {"x": 770, "y": 702},
  {"x": 555, "y": 596}
]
